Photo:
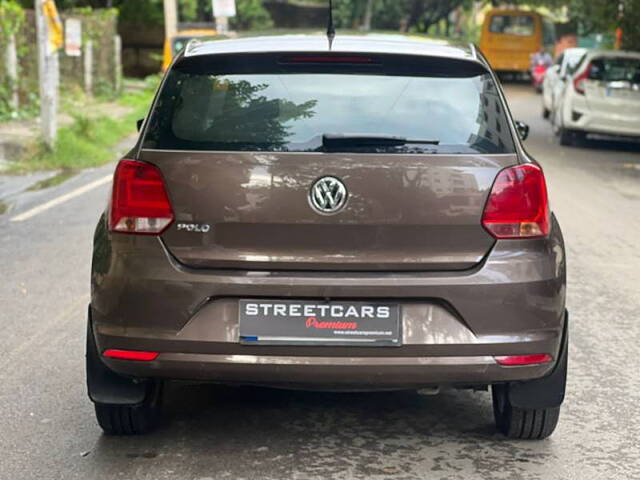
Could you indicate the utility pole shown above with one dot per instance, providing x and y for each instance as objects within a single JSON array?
[
  {"x": 48, "y": 72},
  {"x": 170, "y": 18}
]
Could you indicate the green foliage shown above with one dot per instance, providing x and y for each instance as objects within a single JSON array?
[
  {"x": 93, "y": 21},
  {"x": 11, "y": 17},
  {"x": 416, "y": 15},
  {"x": 89, "y": 141},
  {"x": 251, "y": 15},
  {"x": 143, "y": 12},
  {"x": 630, "y": 25},
  {"x": 598, "y": 16}
]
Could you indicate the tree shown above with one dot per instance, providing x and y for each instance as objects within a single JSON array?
[
  {"x": 251, "y": 15},
  {"x": 425, "y": 13},
  {"x": 407, "y": 15}
]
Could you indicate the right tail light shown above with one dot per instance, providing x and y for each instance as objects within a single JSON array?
[{"x": 518, "y": 205}]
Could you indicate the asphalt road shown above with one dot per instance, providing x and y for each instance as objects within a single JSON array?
[{"x": 47, "y": 428}]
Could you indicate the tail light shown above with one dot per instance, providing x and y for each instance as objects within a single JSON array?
[
  {"x": 518, "y": 206},
  {"x": 139, "y": 202},
  {"x": 578, "y": 81}
]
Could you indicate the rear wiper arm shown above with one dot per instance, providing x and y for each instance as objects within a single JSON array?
[{"x": 334, "y": 140}]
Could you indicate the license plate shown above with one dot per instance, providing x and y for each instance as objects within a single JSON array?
[{"x": 289, "y": 322}]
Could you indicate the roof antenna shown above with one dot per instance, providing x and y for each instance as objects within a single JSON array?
[{"x": 331, "y": 29}]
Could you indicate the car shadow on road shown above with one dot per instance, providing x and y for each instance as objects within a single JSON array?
[
  {"x": 608, "y": 144},
  {"x": 312, "y": 433}
]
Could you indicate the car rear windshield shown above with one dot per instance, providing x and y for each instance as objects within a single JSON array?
[
  {"x": 297, "y": 112},
  {"x": 615, "y": 69},
  {"x": 522, "y": 25}
]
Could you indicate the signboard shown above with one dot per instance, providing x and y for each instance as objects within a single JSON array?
[
  {"x": 54, "y": 26},
  {"x": 73, "y": 37},
  {"x": 224, "y": 8}
]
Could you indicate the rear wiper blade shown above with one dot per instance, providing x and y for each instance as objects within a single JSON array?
[{"x": 335, "y": 140}]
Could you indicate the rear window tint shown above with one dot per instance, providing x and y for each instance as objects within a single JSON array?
[
  {"x": 615, "y": 69},
  {"x": 292, "y": 111},
  {"x": 522, "y": 25}
]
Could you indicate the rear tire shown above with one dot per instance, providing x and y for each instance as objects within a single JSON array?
[
  {"x": 546, "y": 113},
  {"x": 567, "y": 137},
  {"x": 139, "y": 410},
  {"x": 522, "y": 423},
  {"x": 130, "y": 419}
]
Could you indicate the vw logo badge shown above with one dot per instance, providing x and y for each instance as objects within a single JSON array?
[{"x": 328, "y": 195}]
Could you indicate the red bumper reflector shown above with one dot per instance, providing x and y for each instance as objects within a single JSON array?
[
  {"x": 131, "y": 355},
  {"x": 516, "y": 360}
]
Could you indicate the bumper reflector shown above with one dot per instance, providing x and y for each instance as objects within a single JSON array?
[
  {"x": 131, "y": 355},
  {"x": 517, "y": 360}
]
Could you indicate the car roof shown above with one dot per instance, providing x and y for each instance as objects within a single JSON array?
[
  {"x": 371, "y": 44},
  {"x": 612, "y": 53},
  {"x": 575, "y": 50}
]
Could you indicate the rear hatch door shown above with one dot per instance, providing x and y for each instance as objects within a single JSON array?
[
  {"x": 613, "y": 86},
  {"x": 402, "y": 212},
  {"x": 242, "y": 142}
]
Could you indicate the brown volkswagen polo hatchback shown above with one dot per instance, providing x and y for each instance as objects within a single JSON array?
[{"x": 358, "y": 217}]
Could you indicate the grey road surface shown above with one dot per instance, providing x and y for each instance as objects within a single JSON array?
[{"x": 47, "y": 428}]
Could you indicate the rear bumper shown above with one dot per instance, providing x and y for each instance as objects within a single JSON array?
[
  {"x": 332, "y": 373},
  {"x": 580, "y": 117},
  {"x": 453, "y": 323}
]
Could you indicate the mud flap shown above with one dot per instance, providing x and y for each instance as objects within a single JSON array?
[
  {"x": 106, "y": 386},
  {"x": 545, "y": 392}
]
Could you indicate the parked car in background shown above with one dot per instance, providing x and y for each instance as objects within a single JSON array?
[
  {"x": 173, "y": 45},
  {"x": 557, "y": 75},
  {"x": 510, "y": 37},
  {"x": 601, "y": 97}
]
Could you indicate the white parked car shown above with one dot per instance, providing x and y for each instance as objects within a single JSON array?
[
  {"x": 556, "y": 75},
  {"x": 601, "y": 97}
]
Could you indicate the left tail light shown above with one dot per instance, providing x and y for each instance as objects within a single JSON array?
[
  {"x": 578, "y": 81},
  {"x": 139, "y": 201}
]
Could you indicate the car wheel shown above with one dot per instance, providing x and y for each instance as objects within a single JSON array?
[
  {"x": 579, "y": 138},
  {"x": 546, "y": 113},
  {"x": 128, "y": 419},
  {"x": 567, "y": 137},
  {"x": 522, "y": 423},
  {"x": 136, "y": 413},
  {"x": 529, "y": 410}
]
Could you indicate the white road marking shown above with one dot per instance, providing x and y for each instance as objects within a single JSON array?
[{"x": 61, "y": 199}]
